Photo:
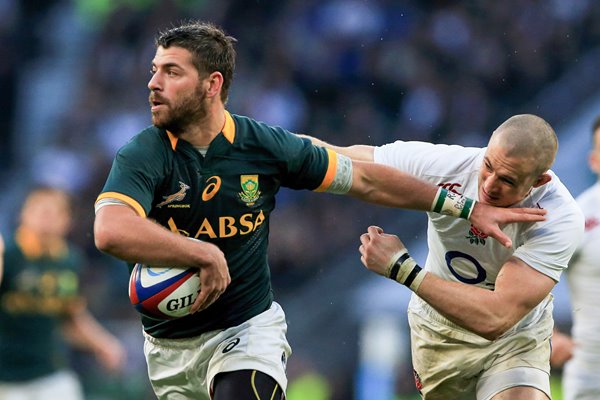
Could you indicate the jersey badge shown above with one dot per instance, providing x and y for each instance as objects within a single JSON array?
[
  {"x": 451, "y": 186},
  {"x": 250, "y": 192},
  {"x": 476, "y": 237},
  {"x": 177, "y": 196}
]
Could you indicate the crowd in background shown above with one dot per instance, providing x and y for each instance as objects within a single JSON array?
[{"x": 74, "y": 73}]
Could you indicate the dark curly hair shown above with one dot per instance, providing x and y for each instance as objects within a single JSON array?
[{"x": 212, "y": 50}]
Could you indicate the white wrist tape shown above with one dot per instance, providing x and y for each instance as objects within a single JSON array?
[
  {"x": 450, "y": 203},
  {"x": 405, "y": 270}
]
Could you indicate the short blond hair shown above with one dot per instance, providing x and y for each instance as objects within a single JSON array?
[{"x": 528, "y": 136}]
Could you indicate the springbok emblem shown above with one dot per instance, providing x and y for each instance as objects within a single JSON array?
[{"x": 178, "y": 196}]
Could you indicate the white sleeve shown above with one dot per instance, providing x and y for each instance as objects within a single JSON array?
[
  {"x": 426, "y": 159},
  {"x": 549, "y": 245}
]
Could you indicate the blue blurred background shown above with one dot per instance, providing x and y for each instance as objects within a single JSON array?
[{"x": 73, "y": 78}]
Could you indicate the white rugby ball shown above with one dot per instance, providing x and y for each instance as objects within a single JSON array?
[{"x": 163, "y": 292}]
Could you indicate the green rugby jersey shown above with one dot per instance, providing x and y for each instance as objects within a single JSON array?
[
  {"x": 225, "y": 197},
  {"x": 36, "y": 289}
]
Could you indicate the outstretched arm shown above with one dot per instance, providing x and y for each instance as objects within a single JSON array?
[
  {"x": 383, "y": 185},
  {"x": 488, "y": 313},
  {"x": 358, "y": 152},
  {"x": 84, "y": 331}
]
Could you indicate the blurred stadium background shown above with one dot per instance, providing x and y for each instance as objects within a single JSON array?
[{"x": 73, "y": 89}]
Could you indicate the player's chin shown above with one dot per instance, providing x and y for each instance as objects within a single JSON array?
[
  {"x": 497, "y": 203},
  {"x": 158, "y": 121},
  {"x": 490, "y": 201}
]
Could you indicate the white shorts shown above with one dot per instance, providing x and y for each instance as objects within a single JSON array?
[
  {"x": 580, "y": 382},
  {"x": 452, "y": 363},
  {"x": 62, "y": 385},
  {"x": 181, "y": 369}
]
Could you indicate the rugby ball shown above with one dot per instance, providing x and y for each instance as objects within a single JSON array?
[{"x": 163, "y": 292}]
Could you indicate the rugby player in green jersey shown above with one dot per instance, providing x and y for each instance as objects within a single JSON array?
[
  {"x": 202, "y": 172},
  {"x": 40, "y": 306}
]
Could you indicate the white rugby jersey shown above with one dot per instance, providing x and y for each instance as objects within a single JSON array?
[
  {"x": 584, "y": 282},
  {"x": 457, "y": 251}
]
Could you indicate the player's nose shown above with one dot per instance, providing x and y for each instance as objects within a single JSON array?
[
  {"x": 490, "y": 184},
  {"x": 154, "y": 82}
]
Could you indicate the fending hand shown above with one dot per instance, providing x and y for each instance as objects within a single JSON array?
[
  {"x": 489, "y": 219},
  {"x": 379, "y": 249}
]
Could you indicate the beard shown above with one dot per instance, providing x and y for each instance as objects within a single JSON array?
[{"x": 177, "y": 116}]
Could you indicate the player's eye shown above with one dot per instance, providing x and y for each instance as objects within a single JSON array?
[{"x": 507, "y": 181}]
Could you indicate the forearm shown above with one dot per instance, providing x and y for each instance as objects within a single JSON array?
[
  {"x": 357, "y": 152},
  {"x": 121, "y": 233},
  {"x": 83, "y": 331},
  {"x": 485, "y": 312},
  {"x": 383, "y": 185},
  {"x": 379, "y": 184},
  {"x": 478, "y": 310}
]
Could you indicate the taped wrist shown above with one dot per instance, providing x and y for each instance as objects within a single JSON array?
[
  {"x": 450, "y": 203},
  {"x": 406, "y": 271}
]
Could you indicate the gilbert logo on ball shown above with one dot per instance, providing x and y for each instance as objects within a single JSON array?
[{"x": 163, "y": 292}]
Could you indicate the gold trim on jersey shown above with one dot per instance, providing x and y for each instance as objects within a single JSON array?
[
  {"x": 173, "y": 139},
  {"x": 32, "y": 247},
  {"x": 229, "y": 128},
  {"x": 228, "y": 131},
  {"x": 331, "y": 170},
  {"x": 124, "y": 198}
]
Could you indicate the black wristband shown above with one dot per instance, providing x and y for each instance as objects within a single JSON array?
[
  {"x": 413, "y": 274},
  {"x": 396, "y": 267}
]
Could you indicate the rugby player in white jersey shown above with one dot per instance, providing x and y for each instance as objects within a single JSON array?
[
  {"x": 481, "y": 314},
  {"x": 581, "y": 375}
]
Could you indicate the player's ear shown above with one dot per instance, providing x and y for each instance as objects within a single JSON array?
[
  {"x": 215, "y": 83},
  {"x": 542, "y": 180}
]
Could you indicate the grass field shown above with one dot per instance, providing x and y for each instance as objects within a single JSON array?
[
  {"x": 554, "y": 386},
  {"x": 314, "y": 387}
]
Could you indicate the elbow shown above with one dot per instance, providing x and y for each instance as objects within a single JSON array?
[
  {"x": 102, "y": 244},
  {"x": 494, "y": 328},
  {"x": 491, "y": 335},
  {"x": 105, "y": 240},
  {"x": 113, "y": 231}
]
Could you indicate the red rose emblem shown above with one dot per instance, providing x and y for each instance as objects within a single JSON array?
[{"x": 478, "y": 233}]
